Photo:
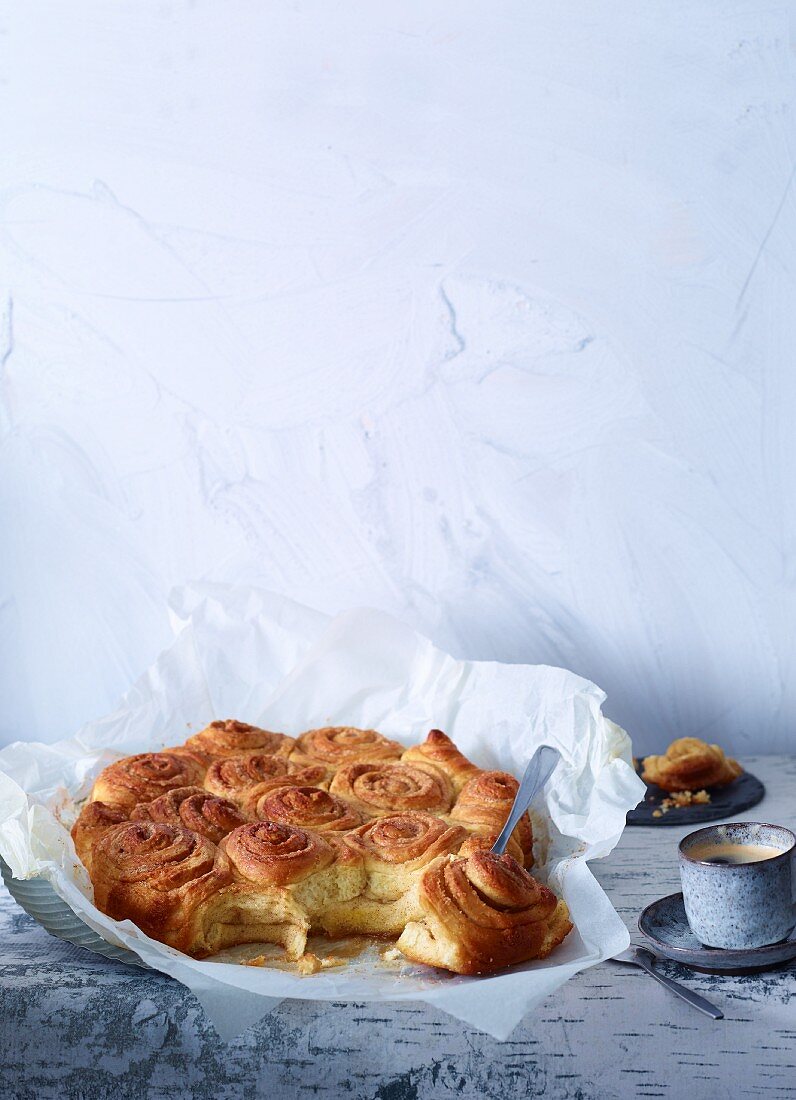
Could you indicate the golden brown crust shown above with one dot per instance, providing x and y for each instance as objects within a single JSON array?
[
  {"x": 406, "y": 840},
  {"x": 394, "y": 852},
  {"x": 307, "y": 808},
  {"x": 160, "y": 877},
  {"x": 482, "y": 842},
  {"x": 230, "y": 775},
  {"x": 229, "y": 737},
  {"x": 96, "y": 819},
  {"x": 271, "y": 854},
  {"x": 690, "y": 765},
  {"x": 482, "y": 914},
  {"x": 235, "y": 777},
  {"x": 439, "y": 750},
  {"x": 375, "y": 853},
  {"x": 145, "y": 776},
  {"x": 192, "y": 808},
  {"x": 334, "y": 746},
  {"x": 201, "y": 758},
  {"x": 483, "y": 805},
  {"x": 376, "y": 788}
]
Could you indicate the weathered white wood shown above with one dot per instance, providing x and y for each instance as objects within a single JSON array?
[{"x": 73, "y": 1025}]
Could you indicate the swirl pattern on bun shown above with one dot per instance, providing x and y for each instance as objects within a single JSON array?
[
  {"x": 192, "y": 808},
  {"x": 482, "y": 842},
  {"x": 482, "y": 914},
  {"x": 271, "y": 854},
  {"x": 334, "y": 746},
  {"x": 233, "y": 738},
  {"x": 403, "y": 841},
  {"x": 307, "y": 808},
  {"x": 143, "y": 777},
  {"x": 161, "y": 877},
  {"x": 235, "y": 776},
  {"x": 377, "y": 788}
]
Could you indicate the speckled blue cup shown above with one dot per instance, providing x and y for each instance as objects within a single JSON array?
[{"x": 740, "y": 905}]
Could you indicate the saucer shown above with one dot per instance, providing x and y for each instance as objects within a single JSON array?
[
  {"x": 665, "y": 925},
  {"x": 725, "y": 803}
]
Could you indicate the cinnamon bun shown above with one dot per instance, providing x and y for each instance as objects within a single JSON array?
[
  {"x": 394, "y": 850},
  {"x": 143, "y": 777},
  {"x": 307, "y": 808},
  {"x": 377, "y": 788},
  {"x": 299, "y": 873},
  {"x": 334, "y": 746},
  {"x": 690, "y": 765},
  {"x": 160, "y": 876},
  {"x": 234, "y": 777},
  {"x": 233, "y": 738},
  {"x": 192, "y": 808},
  {"x": 482, "y": 914}
]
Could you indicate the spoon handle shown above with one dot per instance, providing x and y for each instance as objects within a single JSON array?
[
  {"x": 540, "y": 768},
  {"x": 688, "y": 995}
]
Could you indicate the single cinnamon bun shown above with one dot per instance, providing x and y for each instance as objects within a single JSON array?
[
  {"x": 334, "y": 746},
  {"x": 402, "y": 843},
  {"x": 395, "y": 850},
  {"x": 689, "y": 765},
  {"x": 232, "y": 738},
  {"x": 483, "y": 805},
  {"x": 143, "y": 777},
  {"x": 439, "y": 750},
  {"x": 482, "y": 914},
  {"x": 376, "y": 789},
  {"x": 160, "y": 876},
  {"x": 95, "y": 820},
  {"x": 299, "y": 872},
  {"x": 307, "y": 808},
  {"x": 235, "y": 776},
  {"x": 192, "y": 808},
  {"x": 270, "y": 854}
]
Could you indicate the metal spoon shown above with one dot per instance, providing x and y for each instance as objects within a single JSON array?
[
  {"x": 540, "y": 767},
  {"x": 639, "y": 956}
]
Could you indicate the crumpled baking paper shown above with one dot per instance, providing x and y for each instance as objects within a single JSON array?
[{"x": 246, "y": 653}]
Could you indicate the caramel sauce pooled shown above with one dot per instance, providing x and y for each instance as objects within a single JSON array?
[{"x": 340, "y": 951}]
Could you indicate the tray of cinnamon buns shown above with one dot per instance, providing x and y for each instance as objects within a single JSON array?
[{"x": 243, "y": 835}]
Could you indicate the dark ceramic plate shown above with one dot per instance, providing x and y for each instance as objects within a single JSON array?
[
  {"x": 725, "y": 803},
  {"x": 665, "y": 925}
]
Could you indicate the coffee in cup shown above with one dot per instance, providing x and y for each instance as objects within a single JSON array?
[
  {"x": 709, "y": 852},
  {"x": 739, "y": 884}
]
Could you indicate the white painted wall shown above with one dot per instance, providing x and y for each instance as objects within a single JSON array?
[{"x": 478, "y": 312}]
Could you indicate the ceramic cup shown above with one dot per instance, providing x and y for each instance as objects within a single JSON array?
[{"x": 740, "y": 905}]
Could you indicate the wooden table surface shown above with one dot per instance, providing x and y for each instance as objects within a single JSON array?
[{"x": 73, "y": 1025}]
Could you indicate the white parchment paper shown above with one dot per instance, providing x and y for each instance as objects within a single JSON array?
[{"x": 245, "y": 653}]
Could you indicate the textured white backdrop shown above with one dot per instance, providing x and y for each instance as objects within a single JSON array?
[{"x": 478, "y": 312}]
